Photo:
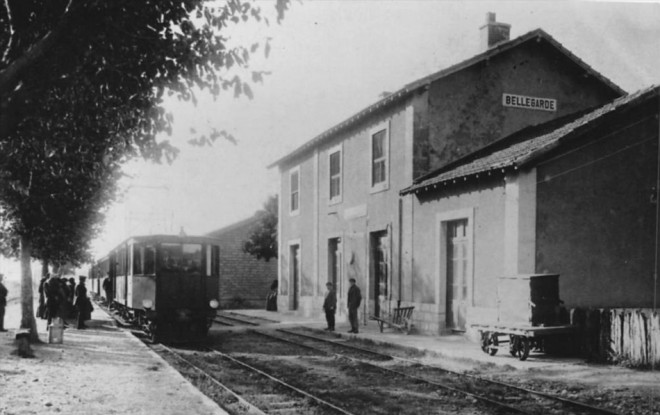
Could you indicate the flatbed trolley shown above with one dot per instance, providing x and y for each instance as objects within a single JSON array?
[{"x": 519, "y": 339}]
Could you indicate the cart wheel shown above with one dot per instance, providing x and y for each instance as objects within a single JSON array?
[
  {"x": 524, "y": 348},
  {"x": 519, "y": 347},
  {"x": 513, "y": 345},
  {"x": 487, "y": 341}
]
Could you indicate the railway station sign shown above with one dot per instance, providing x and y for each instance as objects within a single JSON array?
[{"x": 530, "y": 103}]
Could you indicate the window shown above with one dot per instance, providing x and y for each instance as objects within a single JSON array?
[
  {"x": 182, "y": 258},
  {"x": 294, "y": 201},
  {"x": 138, "y": 260},
  {"x": 334, "y": 161},
  {"x": 379, "y": 158},
  {"x": 212, "y": 260},
  {"x": 149, "y": 259},
  {"x": 121, "y": 261}
]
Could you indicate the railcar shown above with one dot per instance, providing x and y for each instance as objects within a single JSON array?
[{"x": 168, "y": 285}]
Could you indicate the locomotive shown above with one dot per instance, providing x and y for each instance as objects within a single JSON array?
[{"x": 167, "y": 285}]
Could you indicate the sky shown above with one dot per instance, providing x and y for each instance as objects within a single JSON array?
[{"x": 328, "y": 60}]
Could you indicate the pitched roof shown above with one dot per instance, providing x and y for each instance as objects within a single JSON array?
[
  {"x": 526, "y": 146},
  {"x": 419, "y": 84}
]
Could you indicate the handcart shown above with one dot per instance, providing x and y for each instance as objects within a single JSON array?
[
  {"x": 529, "y": 312},
  {"x": 519, "y": 340}
]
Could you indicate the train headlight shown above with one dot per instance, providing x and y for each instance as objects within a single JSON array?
[
  {"x": 147, "y": 304},
  {"x": 214, "y": 304}
]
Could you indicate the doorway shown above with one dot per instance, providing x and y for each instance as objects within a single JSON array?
[
  {"x": 379, "y": 281},
  {"x": 457, "y": 274},
  {"x": 294, "y": 275},
  {"x": 334, "y": 262}
]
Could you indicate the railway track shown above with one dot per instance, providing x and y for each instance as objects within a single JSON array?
[
  {"x": 231, "y": 401},
  {"x": 269, "y": 395},
  {"x": 517, "y": 397},
  {"x": 288, "y": 389},
  {"x": 229, "y": 319}
]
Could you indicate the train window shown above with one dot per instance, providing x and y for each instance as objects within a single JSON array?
[
  {"x": 212, "y": 260},
  {"x": 149, "y": 260},
  {"x": 138, "y": 260},
  {"x": 121, "y": 261},
  {"x": 209, "y": 270},
  {"x": 192, "y": 256},
  {"x": 216, "y": 260},
  {"x": 186, "y": 257}
]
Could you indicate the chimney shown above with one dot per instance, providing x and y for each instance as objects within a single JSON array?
[{"x": 493, "y": 33}]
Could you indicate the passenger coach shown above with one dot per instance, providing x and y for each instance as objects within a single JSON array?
[{"x": 166, "y": 284}]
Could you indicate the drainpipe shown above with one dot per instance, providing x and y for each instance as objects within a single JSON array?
[
  {"x": 657, "y": 218},
  {"x": 398, "y": 303},
  {"x": 657, "y": 227}
]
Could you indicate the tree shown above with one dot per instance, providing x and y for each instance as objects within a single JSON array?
[
  {"x": 81, "y": 91},
  {"x": 262, "y": 239}
]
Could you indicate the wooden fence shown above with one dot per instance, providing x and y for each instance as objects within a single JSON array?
[{"x": 622, "y": 336}]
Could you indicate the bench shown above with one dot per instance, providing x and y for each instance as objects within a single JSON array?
[{"x": 400, "y": 318}]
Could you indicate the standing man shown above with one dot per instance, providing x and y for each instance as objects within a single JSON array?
[
  {"x": 82, "y": 303},
  {"x": 354, "y": 300},
  {"x": 330, "y": 306},
  {"x": 3, "y": 303},
  {"x": 107, "y": 287}
]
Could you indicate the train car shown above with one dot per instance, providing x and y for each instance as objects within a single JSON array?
[
  {"x": 166, "y": 284},
  {"x": 97, "y": 273}
]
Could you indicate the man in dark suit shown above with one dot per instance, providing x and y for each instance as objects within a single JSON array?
[
  {"x": 330, "y": 306},
  {"x": 354, "y": 300}
]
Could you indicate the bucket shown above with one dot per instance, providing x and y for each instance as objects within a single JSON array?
[{"x": 56, "y": 331}]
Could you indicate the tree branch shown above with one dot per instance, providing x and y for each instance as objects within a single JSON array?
[
  {"x": 10, "y": 76},
  {"x": 11, "y": 30}
]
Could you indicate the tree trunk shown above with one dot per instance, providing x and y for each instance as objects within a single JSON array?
[{"x": 27, "y": 300}]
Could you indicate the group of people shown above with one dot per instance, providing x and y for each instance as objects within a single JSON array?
[
  {"x": 61, "y": 297},
  {"x": 330, "y": 306}
]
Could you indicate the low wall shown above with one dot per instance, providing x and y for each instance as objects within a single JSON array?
[{"x": 621, "y": 336}]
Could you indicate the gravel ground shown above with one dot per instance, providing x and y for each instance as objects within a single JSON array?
[{"x": 96, "y": 371}]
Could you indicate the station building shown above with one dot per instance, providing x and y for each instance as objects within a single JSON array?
[
  {"x": 575, "y": 196},
  {"x": 244, "y": 280},
  {"x": 361, "y": 199}
]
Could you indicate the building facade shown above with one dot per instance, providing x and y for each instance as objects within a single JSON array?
[
  {"x": 341, "y": 212},
  {"x": 244, "y": 280},
  {"x": 576, "y": 198}
]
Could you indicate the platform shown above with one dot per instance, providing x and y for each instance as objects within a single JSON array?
[{"x": 100, "y": 370}]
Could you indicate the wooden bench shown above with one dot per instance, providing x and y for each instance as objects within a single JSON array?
[{"x": 401, "y": 319}]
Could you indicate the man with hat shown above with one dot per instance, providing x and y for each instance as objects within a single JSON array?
[
  {"x": 3, "y": 303},
  {"x": 330, "y": 306},
  {"x": 82, "y": 303}
]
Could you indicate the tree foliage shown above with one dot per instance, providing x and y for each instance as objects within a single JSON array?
[
  {"x": 82, "y": 84},
  {"x": 262, "y": 239},
  {"x": 82, "y": 87}
]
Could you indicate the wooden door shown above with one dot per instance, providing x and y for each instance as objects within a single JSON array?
[
  {"x": 295, "y": 275},
  {"x": 380, "y": 271},
  {"x": 457, "y": 274}
]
